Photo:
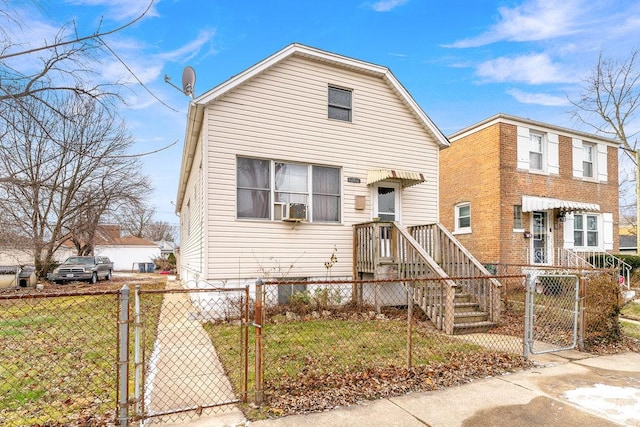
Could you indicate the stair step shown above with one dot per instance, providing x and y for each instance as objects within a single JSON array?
[
  {"x": 472, "y": 327},
  {"x": 469, "y": 317},
  {"x": 465, "y": 307},
  {"x": 462, "y": 297}
]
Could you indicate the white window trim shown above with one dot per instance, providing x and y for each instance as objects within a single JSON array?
[
  {"x": 521, "y": 229},
  {"x": 550, "y": 153},
  {"x": 599, "y": 161},
  {"x": 308, "y": 194},
  {"x": 456, "y": 215},
  {"x": 600, "y": 231},
  {"x": 350, "y": 109}
]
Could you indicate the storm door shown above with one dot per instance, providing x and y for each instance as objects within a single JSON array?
[{"x": 541, "y": 238}]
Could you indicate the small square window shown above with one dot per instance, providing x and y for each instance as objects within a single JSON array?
[
  {"x": 339, "y": 104},
  {"x": 517, "y": 217},
  {"x": 463, "y": 218}
]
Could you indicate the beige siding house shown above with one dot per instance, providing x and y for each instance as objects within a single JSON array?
[{"x": 281, "y": 160}]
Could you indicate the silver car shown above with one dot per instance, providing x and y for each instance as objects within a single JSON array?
[{"x": 91, "y": 268}]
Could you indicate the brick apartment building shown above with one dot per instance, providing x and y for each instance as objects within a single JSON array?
[{"x": 517, "y": 191}]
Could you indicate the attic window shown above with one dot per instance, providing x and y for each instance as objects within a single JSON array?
[{"x": 340, "y": 104}]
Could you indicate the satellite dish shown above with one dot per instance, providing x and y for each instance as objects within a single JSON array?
[{"x": 188, "y": 80}]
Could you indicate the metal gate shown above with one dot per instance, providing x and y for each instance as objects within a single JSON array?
[
  {"x": 551, "y": 313},
  {"x": 178, "y": 374}
]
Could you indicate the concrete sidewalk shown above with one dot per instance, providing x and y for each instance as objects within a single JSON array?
[
  {"x": 569, "y": 389},
  {"x": 185, "y": 371}
]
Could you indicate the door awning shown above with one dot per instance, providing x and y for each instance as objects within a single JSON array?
[
  {"x": 532, "y": 203},
  {"x": 408, "y": 178}
]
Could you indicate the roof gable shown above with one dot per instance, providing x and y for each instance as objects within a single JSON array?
[{"x": 197, "y": 106}]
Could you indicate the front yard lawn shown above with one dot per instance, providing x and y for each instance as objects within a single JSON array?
[
  {"x": 313, "y": 365},
  {"x": 58, "y": 356}
]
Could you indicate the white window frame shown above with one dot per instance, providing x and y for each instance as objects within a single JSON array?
[
  {"x": 339, "y": 107},
  {"x": 593, "y": 161},
  {"x": 457, "y": 228},
  {"x": 537, "y": 137},
  {"x": 584, "y": 231},
  {"x": 517, "y": 212},
  {"x": 307, "y": 195}
]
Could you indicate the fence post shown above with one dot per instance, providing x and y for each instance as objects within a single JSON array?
[
  {"x": 258, "y": 325},
  {"x": 409, "y": 323},
  {"x": 582, "y": 306},
  {"x": 527, "y": 314},
  {"x": 245, "y": 342},
  {"x": 138, "y": 354},
  {"x": 123, "y": 358}
]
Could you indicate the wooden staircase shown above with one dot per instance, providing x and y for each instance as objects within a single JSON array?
[
  {"x": 454, "y": 290},
  {"x": 468, "y": 317}
]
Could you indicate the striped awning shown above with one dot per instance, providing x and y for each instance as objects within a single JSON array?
[
  {"x": 532, "y": 203},
  {"x": 408, "y": 178}
]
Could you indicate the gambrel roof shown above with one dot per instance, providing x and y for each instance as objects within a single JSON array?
[{"x": 196, "y": 107}]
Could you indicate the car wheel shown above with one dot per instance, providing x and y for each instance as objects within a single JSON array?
[
  {"x": 94, "y": 278},
  {"x": 108, "y": 276}
]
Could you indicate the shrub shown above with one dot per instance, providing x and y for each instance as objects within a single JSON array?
[{"x": 602, "y": 305}]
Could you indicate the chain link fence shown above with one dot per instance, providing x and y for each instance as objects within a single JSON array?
[
  {"x": 187, "y": 350},
  {"x": 57, "y": 355},
  {"x": 183, "y": 375},
  {"x": 333, "y": 343}
]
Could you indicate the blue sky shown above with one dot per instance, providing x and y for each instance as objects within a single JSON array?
[{"x": 462, "y": 60}]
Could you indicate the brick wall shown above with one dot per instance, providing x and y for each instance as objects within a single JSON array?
[{"x": 481, "y": 168}]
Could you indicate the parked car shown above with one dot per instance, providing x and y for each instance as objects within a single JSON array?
[{"x": 91, "y": 268}]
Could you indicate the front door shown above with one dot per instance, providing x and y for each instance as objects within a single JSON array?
[
  {"x": 386, "y": 204},
  {"x": 541, "y": 238},
  {"x": 386, "y": 207}
]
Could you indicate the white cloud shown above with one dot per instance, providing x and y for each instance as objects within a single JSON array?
[
  {"x": 387, "y": 5},
  {"x": 538, "y": 98},
  {"x": 120, "y": 9},
  {"x": 529, "y": 69},
  {"x": 534, "y": 20},
  {"x": 189, "y": 50}
]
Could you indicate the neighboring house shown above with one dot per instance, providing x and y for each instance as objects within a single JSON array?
[
  {"x": 628, "y": 241},
  {"x": 282, "y": 159},
  {"x": 126, "y": 252},
  {"x": 517, "y": 191},
  {"x": 166, "y": 248}
]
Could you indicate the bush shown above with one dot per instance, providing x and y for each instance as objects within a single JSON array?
[
  {"x": 602, "y": 305},
  {"x": 632, "y": 260}
]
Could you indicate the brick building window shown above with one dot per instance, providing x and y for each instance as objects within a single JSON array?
[
  {"x": 585, "y": 230},
  {"x": 463, "y": 218},
  {"x": 517, "y": 217},
  {"x": 588, "y": 161},
  {"x": 536, "y": 152}
]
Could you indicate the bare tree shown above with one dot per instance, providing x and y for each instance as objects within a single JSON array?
[
  {"x": 66, "y": 159},
  {"x": 609, "y": 98},
  {"x": 608, "y": 104},
  {"x": 160, "y": 230},
  {"x": 136, "y": 219}
]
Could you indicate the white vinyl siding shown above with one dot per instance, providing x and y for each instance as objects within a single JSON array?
[
  {"x": 282, "y": 114},
  {"x": 192, "y": 227}
]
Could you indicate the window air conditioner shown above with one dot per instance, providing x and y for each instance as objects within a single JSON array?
[{"x": 294, "y": 212}]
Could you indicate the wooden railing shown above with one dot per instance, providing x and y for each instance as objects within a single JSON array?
[
  {"x": 457, "y": 262},
  {"x": 427, "y": 251}
]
